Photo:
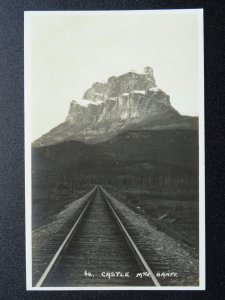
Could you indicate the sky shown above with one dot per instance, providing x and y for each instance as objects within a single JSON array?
[{"x": 65, "y": 53}]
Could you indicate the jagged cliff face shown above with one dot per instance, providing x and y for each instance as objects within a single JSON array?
[
  {"x": 121, "y": 98},
  {"x": 108, "y": 108},
  {"x": 125, "y": 106}
]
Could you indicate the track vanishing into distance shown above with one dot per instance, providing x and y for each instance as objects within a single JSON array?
[{"x": 96, "y": 250}]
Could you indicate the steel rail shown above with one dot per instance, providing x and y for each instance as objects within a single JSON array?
[
  {"x": 130, "y": 241},
  {"x": 65, "y": 242}
]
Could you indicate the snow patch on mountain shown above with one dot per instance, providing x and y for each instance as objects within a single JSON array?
[
  {"x": 86, "y": 103},
  {"x": 154, "y": 89},
  {"x": 138, "y": 92}
]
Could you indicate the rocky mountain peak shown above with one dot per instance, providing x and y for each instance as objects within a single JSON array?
[
  {"x": 121, "y": 98},
  {"x": 128, "y": 101}
]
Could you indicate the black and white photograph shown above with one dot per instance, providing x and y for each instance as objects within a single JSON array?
[{"x": 114, "y": 150}]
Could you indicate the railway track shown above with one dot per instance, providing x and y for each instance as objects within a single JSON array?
[{"x": 96, "y": 250}]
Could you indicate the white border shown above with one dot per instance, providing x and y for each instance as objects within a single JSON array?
[
  {"x": 201, "y": 156},
  {"x": 27, "y": 132},
  {"x": 27, "y": 147}
]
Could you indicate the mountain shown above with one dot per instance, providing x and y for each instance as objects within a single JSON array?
[{"x": 128, "y": 102}]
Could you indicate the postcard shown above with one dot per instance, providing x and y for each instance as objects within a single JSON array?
[{"x": 114, "y": 150}]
